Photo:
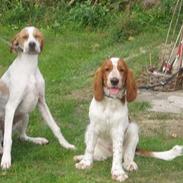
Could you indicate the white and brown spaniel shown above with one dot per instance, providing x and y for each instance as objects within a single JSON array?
[
  {"x": 110, "y": 133},
  {"x": 22, "y": 87}
]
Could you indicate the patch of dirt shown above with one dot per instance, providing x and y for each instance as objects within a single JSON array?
[
  {"x": 165, "y": 114},
  {"x": 167, "y": 102},
  {"x": 84, "y": 94},
  {"x": 169, "y": 128}
]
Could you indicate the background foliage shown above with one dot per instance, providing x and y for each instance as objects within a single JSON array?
[{"x": 130, "y": 16}]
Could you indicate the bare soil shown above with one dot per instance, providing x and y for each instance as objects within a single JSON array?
[
  {"x": 166, "y": 102},
  {"x": 165, "y": 116}
]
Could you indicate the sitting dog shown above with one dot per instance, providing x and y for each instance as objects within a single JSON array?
[
  {"x": 110, "y": 132},
  {"x": 22, "y": 87}
]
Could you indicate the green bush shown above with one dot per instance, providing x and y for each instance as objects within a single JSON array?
[
  {"x": 52, "y": 14},
  {"x": 85, "y": 14},
  {"x": 29, "y": 12},
  {"x": 139, "y": 20},
  {"x": 126, "y": 26}
]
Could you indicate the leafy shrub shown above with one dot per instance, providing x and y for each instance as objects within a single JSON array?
[
  {"x": 86, "y": 14},
  {"x": 139, "y": 20},
  {"x": 52, "y": 14},
  {"x": 21, "y": 12},
  {"x": 126, "y": 26}
]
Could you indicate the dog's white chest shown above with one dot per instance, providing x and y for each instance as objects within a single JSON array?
[
  {"x": 107, "y": 115},
  {"x": 31, "y": 96}
]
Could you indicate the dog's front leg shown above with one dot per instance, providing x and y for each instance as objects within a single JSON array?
[
  {"x": 8, "y": 124},
  {"x": 90, "y": 140},
  {"x": 46, "y": 114},
  {"x": 117, "y": 170}
]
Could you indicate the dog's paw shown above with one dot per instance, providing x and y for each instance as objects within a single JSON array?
[
  {"x": 132, "y": 166},
  {"x": 78, "y": 158},
  {"x": 177, "y": 150},
  {"x": 70, "y": 146},
  {"x": 84, "y": 164},
  {"x": 6, "y": 162},
  {"x": 40, "y": 140},
  {"x": 119, "y": 175}
]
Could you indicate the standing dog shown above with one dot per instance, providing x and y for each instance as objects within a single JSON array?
[
  {"x": 110, "y": 133},
  {"x": 22, "y": 87}
]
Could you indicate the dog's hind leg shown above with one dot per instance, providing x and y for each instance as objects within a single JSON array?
[
  {"x": 25, "y": 137},
  {"x": 130, "y": 144}
]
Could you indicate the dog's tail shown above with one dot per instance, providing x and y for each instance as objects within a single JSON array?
[{"x": 176, "y": 151}]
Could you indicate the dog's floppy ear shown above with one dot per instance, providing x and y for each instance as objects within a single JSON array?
[
  {"x": 42, "y": 43},
  {"x": 131, "y": 86},
  {"x": 14, "y": 43},
  {"x": 40, "y": 38},
  {"x": 98, "y": 85}
]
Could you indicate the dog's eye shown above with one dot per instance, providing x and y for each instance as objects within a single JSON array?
[
  {"x": 25, "y": 37},
  {"x": 37, "y": 36},
  {"x": 121, "y": 70},
  {"x": 107, "y": 69}
]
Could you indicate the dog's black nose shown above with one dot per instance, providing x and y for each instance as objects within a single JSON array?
[
  {"x": 32, "y": 45},
  {"x": 114, "y": 81}
]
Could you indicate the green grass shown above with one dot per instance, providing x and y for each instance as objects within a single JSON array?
[{"x": 67, "y": 63}]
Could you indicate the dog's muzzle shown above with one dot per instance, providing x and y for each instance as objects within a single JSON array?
[{"x": 33, "y": 48}]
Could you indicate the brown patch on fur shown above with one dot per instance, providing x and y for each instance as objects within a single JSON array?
[
  {"x": 3, "y": 88},
  {"x": 19, "y": 40},
  {"x": 128, "y": 80},
  {"x": 106, "y": 69},
  {"x": 39, "y": 36},
  {"x": 100, "y": 79},
  {"x": 131, "y": 87},
  {"x": 123, "y": 70},
  {"x": 142, "y": 152},
  {"x": 98, "y": 85}
]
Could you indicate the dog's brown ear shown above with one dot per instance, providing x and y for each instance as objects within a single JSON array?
[
  {"x": 14, "y": 43},
  {"x": 40, "y": 38},
  {"x": 131, "y": 87},
  {"x": 98, "y": 85},
  {"x": 42, "y": 43}
]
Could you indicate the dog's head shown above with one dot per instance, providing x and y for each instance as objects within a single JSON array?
[
  {"x": 29, "y": 40},
  {"x": 116, "y": 80}
]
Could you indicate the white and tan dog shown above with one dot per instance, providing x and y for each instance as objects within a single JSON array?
[
  {"x": 110, "y": 133},
  {"x": 22, "y": 87}
]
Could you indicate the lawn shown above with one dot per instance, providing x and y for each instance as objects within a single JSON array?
[{"x": 68, "y": 63}]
